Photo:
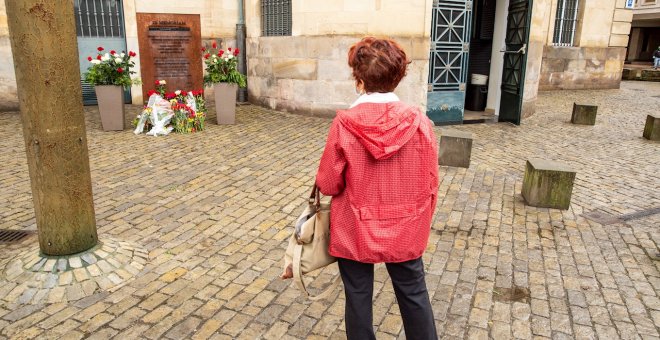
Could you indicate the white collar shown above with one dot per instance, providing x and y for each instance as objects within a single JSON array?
[{"x": 376, "y": 97}]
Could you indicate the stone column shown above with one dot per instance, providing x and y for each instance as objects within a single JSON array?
[{"x": 45, "y": 50}]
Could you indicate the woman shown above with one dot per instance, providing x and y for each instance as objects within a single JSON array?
[{"x": 380, "y": 166}]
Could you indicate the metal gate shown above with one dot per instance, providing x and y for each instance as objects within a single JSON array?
[
  {"x": 450, "y": 44},
  {"x": 98, "y": 23}
]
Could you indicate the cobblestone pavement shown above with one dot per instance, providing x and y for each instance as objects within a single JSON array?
[{"x": 214, "y": 209}]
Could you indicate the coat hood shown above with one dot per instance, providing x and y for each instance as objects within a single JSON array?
[{"x": 382, "y": 128}]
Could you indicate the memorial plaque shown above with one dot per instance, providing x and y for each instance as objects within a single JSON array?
[{"x": 170, "y": 49}]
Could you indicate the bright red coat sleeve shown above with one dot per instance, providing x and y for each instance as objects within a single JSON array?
[{"x": 330, "y": 176}]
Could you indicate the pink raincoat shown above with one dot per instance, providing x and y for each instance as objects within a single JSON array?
[{"x": 380, "y": 164}]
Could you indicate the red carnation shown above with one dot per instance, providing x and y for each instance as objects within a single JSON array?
[
  {"x": 236, "y": 52},
  {"x": 215, "y": 45},
  {"x": 100, "y": 48},
  {"x": 89, "y": 58},
  {"x": 203, "y": 49},
  {"x": 208, "y": 55},
  {"x": 120, "y": 70},
  {"x": 229, "y": 49},
  {"x": 151, "y": 93},
  {"x": 184, "y": 93},
  {"x": 220, "y": 53},
  {"x": 132, "y": 54},
  {"x": 113, "y": 52},
  {"x": 157, "y": 82},
  {"x": 98, "y": 57}
]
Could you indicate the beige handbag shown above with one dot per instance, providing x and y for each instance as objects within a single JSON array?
[{"x": 308, "y": 246}]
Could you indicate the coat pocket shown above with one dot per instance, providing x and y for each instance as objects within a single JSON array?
[{"x": 386, "y": 212}]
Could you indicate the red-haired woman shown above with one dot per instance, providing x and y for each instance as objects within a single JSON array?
[{"x": 380, "y": 166}]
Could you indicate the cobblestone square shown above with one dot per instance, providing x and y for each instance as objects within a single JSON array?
[{"x": 194, "y": 228}]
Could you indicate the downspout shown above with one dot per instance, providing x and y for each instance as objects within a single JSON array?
[{"x": 240, "y": 41}]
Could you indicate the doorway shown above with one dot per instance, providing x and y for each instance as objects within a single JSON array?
[{"x": 479, "y": 64}]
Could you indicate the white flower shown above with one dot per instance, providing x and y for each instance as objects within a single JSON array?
[
  {"x": 95, "y": 61},
  {"x": 177, "y": 92},
  {"x": 162, "y": 82},
  {"x": 118, "y": 60},
  {"x": 230, "y": 56},
  {"x": 122, "y": 54},
  {"x": 226, "y": 58}
]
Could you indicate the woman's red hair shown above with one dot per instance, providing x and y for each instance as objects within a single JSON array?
[{"x": 379, "y": 63}]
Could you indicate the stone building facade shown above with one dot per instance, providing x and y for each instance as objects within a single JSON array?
[
  {"x": 596, "y": 58},
  {"x": 306, "y": 70},
  {"x": 645, "y": 32}
]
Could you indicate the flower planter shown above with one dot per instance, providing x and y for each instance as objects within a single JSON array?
[
  {"x": 225, "y": 102},
  {"x": 111, "y": 106}
]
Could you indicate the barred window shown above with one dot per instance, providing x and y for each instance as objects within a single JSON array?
[
  {"x": 565, "y": 23},
  {"x": 99, "y": 18},
  {"x": 275, "y": 17}
]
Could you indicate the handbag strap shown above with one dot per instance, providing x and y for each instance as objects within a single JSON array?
[{"x": 297, "y": 277}]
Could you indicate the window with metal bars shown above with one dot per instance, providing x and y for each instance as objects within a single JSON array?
[
  {"x": 275, "y": 17},
  {"x": 99, "y": 18},
  {"x": 565, "y": 23}
]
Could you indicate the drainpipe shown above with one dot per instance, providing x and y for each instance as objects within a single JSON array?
[{"x": 240, "y": 41}]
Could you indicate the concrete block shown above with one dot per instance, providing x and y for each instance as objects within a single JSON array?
[
  {"x": 650, "y": 75},
  {"x": 548, "y": 184},
  {"x": 584, "y": 114},
  {"x": 652, "y": 127},
  {"x": 455, "y": 148}
]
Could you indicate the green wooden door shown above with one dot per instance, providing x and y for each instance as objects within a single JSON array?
[{"x": 515, "y": 61}]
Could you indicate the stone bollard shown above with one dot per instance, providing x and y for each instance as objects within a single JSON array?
[
  {"x": 584, "y": 114},
  {"x": 455, "y": 148},
  {"x": 548, "y": 184},
  {"x": 652, "y": 127}
]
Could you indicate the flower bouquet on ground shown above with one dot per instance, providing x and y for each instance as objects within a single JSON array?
[{"x": 178, "y": 111}]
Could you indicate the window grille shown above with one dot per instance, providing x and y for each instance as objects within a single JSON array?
[
  {"x": 99, "y": 18},
  {"x": 565, "y": 23},
  {"x": 275, "y": 17}
]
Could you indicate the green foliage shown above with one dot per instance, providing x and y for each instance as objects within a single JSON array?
[{"x": 222, "y": 67}]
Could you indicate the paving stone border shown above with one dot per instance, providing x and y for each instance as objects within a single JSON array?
[{"x": 32, "y": 278}]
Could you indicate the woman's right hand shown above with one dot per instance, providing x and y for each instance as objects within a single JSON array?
[{"x": 287, "y": 273}]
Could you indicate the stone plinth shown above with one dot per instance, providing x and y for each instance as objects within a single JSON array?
[
  {"x": 652, "y": 127},
  {"x": 455, "y": 148},
  {"x": 548, "y": 184},
  {"x": 584, "y": 114}
]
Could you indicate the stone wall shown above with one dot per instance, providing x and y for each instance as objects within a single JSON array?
[
  {"x": 308, "y": 71},
  {"x": 310, "y": 74},
  {"x": 566, "y": 68},
  {"x": 8, "y": 94}
]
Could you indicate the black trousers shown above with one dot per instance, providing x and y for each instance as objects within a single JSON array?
[{"x": 411, "y": 295}]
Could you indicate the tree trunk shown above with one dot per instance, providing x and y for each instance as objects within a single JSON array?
[{"x": 43, "y": 42}]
